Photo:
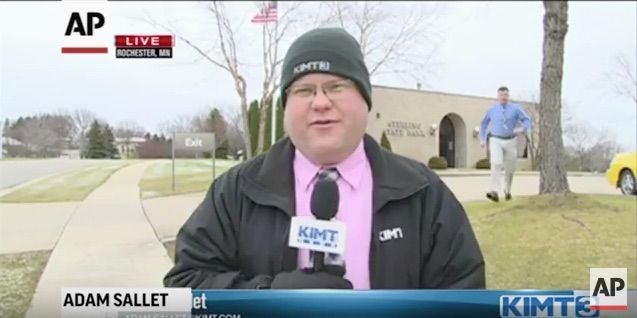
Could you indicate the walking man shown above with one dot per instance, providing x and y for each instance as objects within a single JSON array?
[{"x": 504, "y": 118}]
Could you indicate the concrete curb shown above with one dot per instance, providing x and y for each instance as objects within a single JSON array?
[
  {"x": 479, "y": 173},
  {"x": 19, "y": 186}
]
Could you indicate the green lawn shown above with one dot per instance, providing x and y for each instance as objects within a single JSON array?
[
  {"x": 19, "y": 275},
  {"x": 191, "y": 175},
  {"x": 551, "y": 242},
  {"x": 72, "y": 186},
  {"x": 170, "y": 249}
]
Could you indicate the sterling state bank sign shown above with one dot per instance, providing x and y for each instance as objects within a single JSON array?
[{"x": 404, "y": 129}]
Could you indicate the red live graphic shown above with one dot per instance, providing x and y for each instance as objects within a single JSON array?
[{"x": 143, "y": 41}]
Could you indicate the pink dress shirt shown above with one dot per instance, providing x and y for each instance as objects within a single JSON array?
[{"x": 354, "y": 209}]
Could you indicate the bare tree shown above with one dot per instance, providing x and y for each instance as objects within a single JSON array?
[
  {"x": 579, "y": 137},
  {"x": 532, "y": 108},
  {"x": 201, "y": 123},
  {"x": 65, "y": 126},
  {"x": 39, "y": 136},
  {"x": 183, "y": 123},
  {"x": 389, "y": 46},
  {"x": 62, "y": 124},
  {"x": 44, "y": 134},
  {"x": 551, "y": 148},
  {"x": 272, "y": 35},
  {"x": 126, "y": 130},
  {"x": 82, "y": 118},
  {"x": 592, "y": 149},
  {"x": 212, "y": 121},
  {"x": 623, "y": 77},
  {"x": 234, "y": 131},
  {"x": 226, "y": 57},
  {"x": 129, "y": 129},
  {"x": 602, "y": 152},
  {"x": 392, "y": 36}
]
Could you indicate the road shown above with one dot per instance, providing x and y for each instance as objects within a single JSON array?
[{"x": 14, "y": 172}]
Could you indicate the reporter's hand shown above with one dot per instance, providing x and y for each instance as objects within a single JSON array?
[
  {"x": 329, "y": 278},
  {"x": 482, "y": 144}
]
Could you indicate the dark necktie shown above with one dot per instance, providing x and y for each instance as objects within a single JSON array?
[{"x": 328, "y": 174}]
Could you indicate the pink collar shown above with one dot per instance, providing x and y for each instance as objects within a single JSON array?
[{"x": 351, "y": 169}]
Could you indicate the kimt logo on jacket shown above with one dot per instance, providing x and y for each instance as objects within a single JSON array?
[{"x": 390, "y": 234}]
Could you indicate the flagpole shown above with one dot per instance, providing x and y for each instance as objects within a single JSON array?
[
  {"x": 264, "y": 17},
  {"x": 273, "y": 104}
]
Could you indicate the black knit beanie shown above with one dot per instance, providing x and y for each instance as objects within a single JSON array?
[{"x": 326, "y": 50}]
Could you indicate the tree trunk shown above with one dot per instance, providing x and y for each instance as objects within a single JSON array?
[
  {"x": 263, "y": 116},
  {"x": 531, "y": 152},
  {"x": 246, "y": 128},
  {"x": 551, "y": 147}
]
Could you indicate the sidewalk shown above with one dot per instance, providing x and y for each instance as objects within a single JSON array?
[
  {"x": 467, "y": 172},
  {"x": 18, "y": 225},
  {"x": 108, "y": 242},
  {"x": 168, "y": 214}
]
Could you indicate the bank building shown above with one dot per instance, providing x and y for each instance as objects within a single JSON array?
[{"x": 421, "y": 124}]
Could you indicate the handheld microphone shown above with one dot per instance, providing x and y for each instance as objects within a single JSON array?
[
  {"x": 324, "y": 205},
  {"x": 318, "y": 234}
]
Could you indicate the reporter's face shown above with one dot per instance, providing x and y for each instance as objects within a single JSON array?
[{"x": 325, "y": 117}]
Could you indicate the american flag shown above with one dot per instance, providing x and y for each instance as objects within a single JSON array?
[{"x": 266, "y": 14}]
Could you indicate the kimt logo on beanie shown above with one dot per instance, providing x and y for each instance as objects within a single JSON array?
[{"x": 320, "y": 65}]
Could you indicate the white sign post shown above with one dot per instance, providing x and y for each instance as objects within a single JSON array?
[{"x": 194, "y": 142}]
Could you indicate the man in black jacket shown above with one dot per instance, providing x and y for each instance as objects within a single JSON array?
[{"x": 406, "y": 229}]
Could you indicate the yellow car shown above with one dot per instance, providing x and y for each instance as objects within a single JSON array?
[{"x": 622, "y": 171}]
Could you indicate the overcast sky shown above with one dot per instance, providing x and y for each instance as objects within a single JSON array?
[{"x": 479, "y": 46}]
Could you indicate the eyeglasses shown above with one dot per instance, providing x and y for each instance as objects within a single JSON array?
[{"x": 334, "y": 90}]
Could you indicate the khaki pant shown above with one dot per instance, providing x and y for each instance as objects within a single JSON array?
[{"x": 502, "y": 152}]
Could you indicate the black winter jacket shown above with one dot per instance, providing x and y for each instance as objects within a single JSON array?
[{"x": 239, "y": 233}]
